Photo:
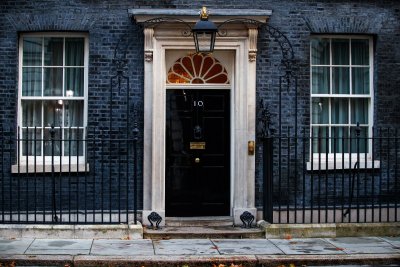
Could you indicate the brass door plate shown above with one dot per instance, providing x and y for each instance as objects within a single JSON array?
[{"x": 197, "y": 145}]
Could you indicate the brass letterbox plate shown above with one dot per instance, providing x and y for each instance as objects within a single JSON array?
[{"x": 197, "y": 145}]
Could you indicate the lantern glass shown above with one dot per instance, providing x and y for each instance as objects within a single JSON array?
[{"x": 204, "y": 41}]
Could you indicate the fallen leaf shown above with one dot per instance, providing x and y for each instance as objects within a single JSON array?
[
  {"x": 288, "y": 237},
  {"x": 339, "y": 248}
]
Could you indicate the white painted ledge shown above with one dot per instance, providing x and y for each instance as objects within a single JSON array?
[
  {"x": 342, "y": 165},
  {"x": 47, "y": 168}
]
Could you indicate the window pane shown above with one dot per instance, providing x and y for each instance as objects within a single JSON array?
[
  {"x": 49, "y": 145},
  {"x": 340, "y": 140},
  {"x": 359, "y": 111},
  {"x": 53, "y": 81},
  {"x": 73, "y": 113},
  {"x": 340, "y": 111},
  {"x": 359, "y": 144},
  {"x": 340, "y": 52},
  {"x": 53, "y": 112},
  {"x": 31, "y": 113},
  {"x": 319, "y": 139},
  {"x": 32, "y": 55},
  {"x": 31, "y": 142},
  {"x": 360, "y": 52},
  {"x": 74, "y": 78},
  {"x": 74, "y": 51},
  {"x": 340, "y": 80},
  {"x": 31, "y": 81},
  {"x": 360, "y": 80},
  {"x": 53, "y": 51},
  {"x": 320, "y": 80},
  {"x": 320, "y": 110},
  {"x": 320, "y": 51},
  {"x": 73, "y": 142}
]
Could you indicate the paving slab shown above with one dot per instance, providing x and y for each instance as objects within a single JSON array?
[
  {"x": 185, "y": 247},
  {"x": 14, "y": 246},
  {"x": 165, "y": 260},
  {"x": 60, "y": 246},
  {"x": 106, "y": 247},
  {"x": 306, "y": 246},
  {"x": 395, "y": 241},
  {"x": 246, "y": 247},
  {"x": 363, "y": 245},
  {"x": 326, "y": 260}
]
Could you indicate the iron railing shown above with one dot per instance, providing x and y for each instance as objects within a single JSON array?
[
  {"x": 317, "y": 180},
  {"x": 99, "y": 185},
  {"x": 91, "y": 179}
]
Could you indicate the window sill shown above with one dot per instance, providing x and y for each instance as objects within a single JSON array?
[
  {"x": 342, "y": 165},
  {"x": 47, "y": 168}
]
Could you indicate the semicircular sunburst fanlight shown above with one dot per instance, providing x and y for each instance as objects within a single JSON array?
[{"x": 197, "y": 69}]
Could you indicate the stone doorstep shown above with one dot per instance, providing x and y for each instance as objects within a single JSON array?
[
  {"x": 329, "y": 230},
  {"x": 213, "y": 232},
  {"x": 118, "y": 231},
  {"x": 200, "y": 261},
  {"x": 199, "y": 221}
]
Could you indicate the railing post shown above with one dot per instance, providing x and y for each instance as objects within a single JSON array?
[
  {"x": 268, "y": 161},
  {"x": 358, "y": 132},
  {"x": 52, "y": 135},
  {"x": 2, "y": 137},
  {"x": 135, "y": 133}
]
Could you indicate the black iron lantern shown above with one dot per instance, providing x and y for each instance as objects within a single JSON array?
[{"x": 204, "y": 32}]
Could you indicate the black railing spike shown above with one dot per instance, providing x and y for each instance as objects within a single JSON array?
[
  {"x": 358, "y": 129},
  {"x": 52, "y": 132}
]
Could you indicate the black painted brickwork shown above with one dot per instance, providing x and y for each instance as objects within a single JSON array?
[{"x": 107, "y": 21}]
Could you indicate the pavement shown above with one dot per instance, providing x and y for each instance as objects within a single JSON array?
[{"x": 201, "y": 252}]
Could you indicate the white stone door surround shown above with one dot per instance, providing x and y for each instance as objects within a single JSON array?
[{"x": 239, "y": 47}]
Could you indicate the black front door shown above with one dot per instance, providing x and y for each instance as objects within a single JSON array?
[{"x": 197, "y": 153}]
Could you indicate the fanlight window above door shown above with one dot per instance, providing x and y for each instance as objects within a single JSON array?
[{"x": 197, "y": 69}]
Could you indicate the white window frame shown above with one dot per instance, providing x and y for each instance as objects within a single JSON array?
[
  {"x": 325, "y": 160},
  {"x": 43, "y": 163}
]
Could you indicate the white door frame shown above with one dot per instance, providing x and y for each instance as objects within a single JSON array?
[{"x": 241, "y": 42}]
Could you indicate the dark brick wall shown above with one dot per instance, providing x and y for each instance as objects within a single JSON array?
[{"x": 107, "y": 22}]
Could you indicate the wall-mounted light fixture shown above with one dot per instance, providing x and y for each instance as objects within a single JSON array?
[{"x": 204, "y": 32}]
